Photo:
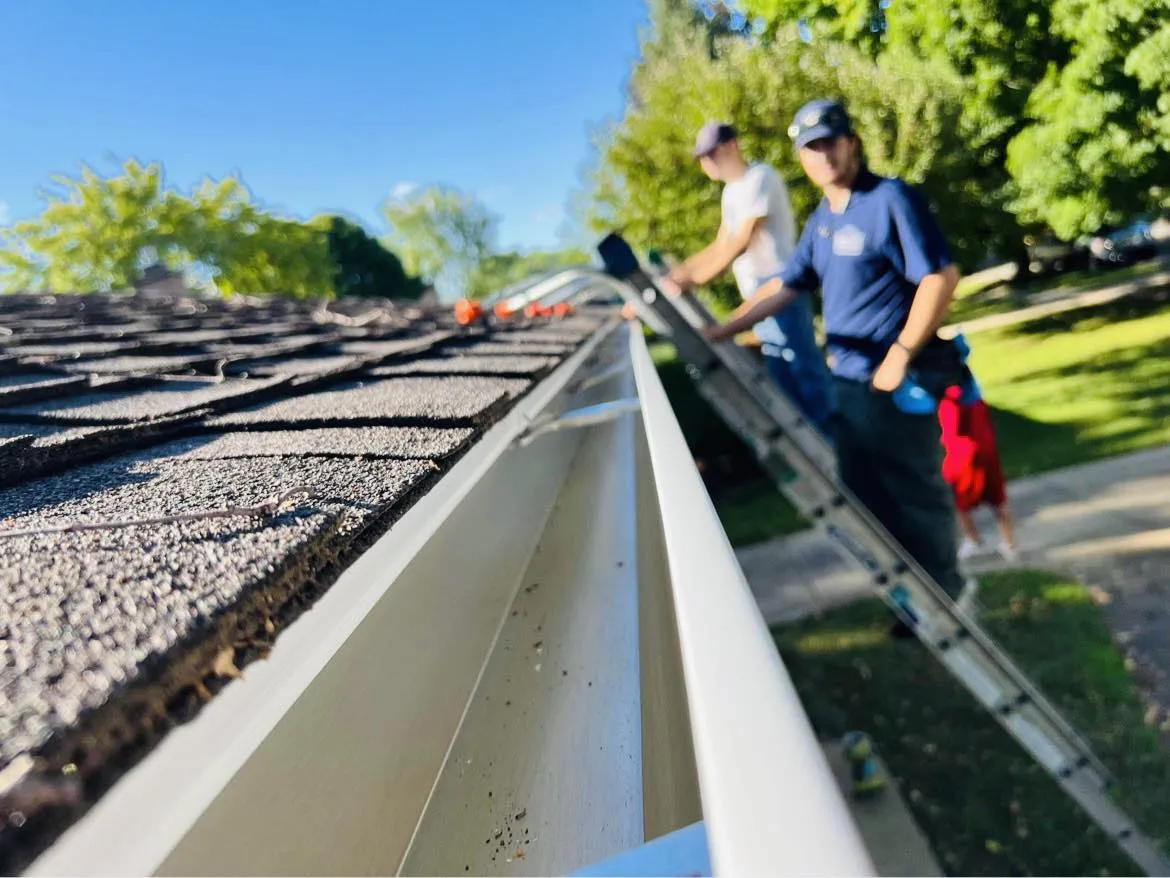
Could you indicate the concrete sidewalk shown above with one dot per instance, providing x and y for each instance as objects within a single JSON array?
[{"x": 1105, "y": 523}]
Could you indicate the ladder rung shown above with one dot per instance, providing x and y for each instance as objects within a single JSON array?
[{"x": 804, "y": 468}]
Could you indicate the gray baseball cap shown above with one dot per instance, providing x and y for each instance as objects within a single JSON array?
[
  {"x": 818, "y": 120},
  {"x": 712, "y": 135}
]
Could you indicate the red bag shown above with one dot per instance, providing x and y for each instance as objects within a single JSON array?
[{"x": 963, "y": 473}]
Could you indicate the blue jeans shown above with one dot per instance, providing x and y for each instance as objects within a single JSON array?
[{"x": 797, "y": 365}]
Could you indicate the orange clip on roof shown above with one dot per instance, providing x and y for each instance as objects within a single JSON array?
[{"x": 467, "y": 312}]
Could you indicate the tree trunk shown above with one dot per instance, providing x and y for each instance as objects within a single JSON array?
[{"x": 1019, "y": 255}]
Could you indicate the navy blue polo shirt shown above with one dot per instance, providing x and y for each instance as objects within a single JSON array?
[{"x": 868, "y": 261}]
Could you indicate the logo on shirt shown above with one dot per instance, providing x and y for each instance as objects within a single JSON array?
[{"x": 848, "y": 241}]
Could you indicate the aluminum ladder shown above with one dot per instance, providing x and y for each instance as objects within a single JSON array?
[{"x": 803, "y": 467}]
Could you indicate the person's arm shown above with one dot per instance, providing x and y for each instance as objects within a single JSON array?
[
  {"x": 798, "y": 277},
  {"x": 713, "y": 260},
  {"x": 769, "y": 299},
  {"x": 680, "y": 277},
  {"x": 931, "y": 302},
  {"x": 928, "y": 264}
]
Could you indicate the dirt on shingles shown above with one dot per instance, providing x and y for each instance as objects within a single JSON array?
[{"x": 75, "y": 753}]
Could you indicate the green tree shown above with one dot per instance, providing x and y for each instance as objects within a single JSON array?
[
  {"x": 1099, "y": 148},
  {"x": 907, "y": 111},
  {"x": 362, "y": 266},
  {"x": 1000, "y": 48},
  {"x": 442, "y": 235},
  {"x": 858, "y": 22},
  {"x": 499, "y": 270},
  {"x": 245, "y": 249},
  {"x": 97, "y": 233}
]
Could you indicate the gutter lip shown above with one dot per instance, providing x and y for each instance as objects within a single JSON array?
[
  {"x": 163, "y": 795},
  {"x": 771, "y": 805}
]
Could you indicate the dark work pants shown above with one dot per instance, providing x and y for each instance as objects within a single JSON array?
[
  {"x": 892, "y": 462},
  {"x": 796, "y": 364}
]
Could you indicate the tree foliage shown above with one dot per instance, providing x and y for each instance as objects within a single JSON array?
[
  {"x": 245, "y": 249},
  {"x": 859, "y": 22},
  {"x": 1065, "y": 102},
  {"x": 907, "y": 110},
  {"x": 1099, "y": 146},
  {"x": 98, "y": 232},
  {"x": 362, "y": 266},
  {"x": 499, "y": 270},
  {"x": 442, "y": 235}
]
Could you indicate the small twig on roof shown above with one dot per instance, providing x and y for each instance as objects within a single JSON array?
[
  {"x": 324, "y": 315},
  {"x": 264, "y": 509}
]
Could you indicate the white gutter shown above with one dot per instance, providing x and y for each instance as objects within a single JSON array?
[
  {"x": 280, "y": 714},
  {"x": 435, "y": 703},
  {"x": 770, "y": 803}
]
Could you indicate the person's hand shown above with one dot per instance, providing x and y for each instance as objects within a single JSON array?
[
  {"x": 718, "y": 332},
  {"x": 629, "y": 311},
  {"x": 670, "y": 287},
  {"x": 892, "y": 371},
  {"x": 676, "y": 281}
]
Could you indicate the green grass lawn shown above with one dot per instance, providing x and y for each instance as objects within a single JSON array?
[
  {"x": 1066, "y": 389},
  {"x": 985, "y": 806},
  {"x": 1081, "y": 385}
]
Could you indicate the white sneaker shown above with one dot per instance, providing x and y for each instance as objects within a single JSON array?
[
  {"x": 965, "y": 602},
  {"x": 1008, "y": 552},
  {"x": 969, "y": 548}
]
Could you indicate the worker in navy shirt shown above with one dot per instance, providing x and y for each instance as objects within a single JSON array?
[{"x": 887, "y": 278}]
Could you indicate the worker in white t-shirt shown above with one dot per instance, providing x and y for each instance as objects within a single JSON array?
[{"x": 756, "y": 238}]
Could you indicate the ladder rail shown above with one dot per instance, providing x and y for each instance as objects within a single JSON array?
[
  {"x": 804, "y": 467},
  {"x": 809, "y": 468}
]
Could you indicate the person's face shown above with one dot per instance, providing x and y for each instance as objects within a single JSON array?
[
  {"x": 715, "y": 163},
  {"x": 831, "y": 160},
  {"x": 710, "y": 166}
]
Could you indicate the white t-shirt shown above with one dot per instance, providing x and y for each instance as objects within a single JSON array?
[{"x": 759, "y": 192}]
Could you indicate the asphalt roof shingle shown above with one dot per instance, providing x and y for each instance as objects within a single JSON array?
[
  {"x": 161, "y": 400},
  {"x": 529, "y": 367},
  {"x": 393, "y": 401},
  {"x": 108, "y": 632},
  {"x": 407, "y": 443},
  {"x": 84, "y": 610}
]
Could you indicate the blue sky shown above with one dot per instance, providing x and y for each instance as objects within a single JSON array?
[{"x": 319, "y": 104}]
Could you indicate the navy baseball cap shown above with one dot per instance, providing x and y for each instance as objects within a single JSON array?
[
  {"x": 711, "y": 135},
  {"x": 817, "y": 120}
]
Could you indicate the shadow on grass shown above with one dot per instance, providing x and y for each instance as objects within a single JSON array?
[
  {"x": 1028, "y": 447},
  {"x": 985, "y": 806},
  {"x": 1105, "y": 397},
  {"x": 1132, "y": 307}
]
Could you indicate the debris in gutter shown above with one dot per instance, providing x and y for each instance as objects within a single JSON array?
[
  {"x": 23, "y": 794},
  {"x": 225, "y": 663}
]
